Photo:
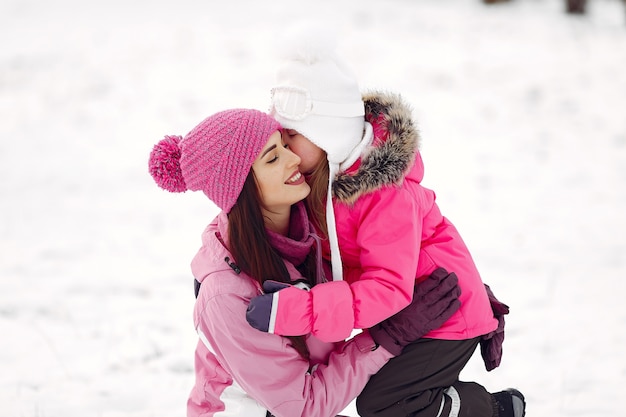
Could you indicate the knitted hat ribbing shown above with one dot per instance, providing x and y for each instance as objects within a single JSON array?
[{"x": 215, "y": 157}]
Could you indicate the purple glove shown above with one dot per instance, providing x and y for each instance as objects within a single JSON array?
[
  {"x": 491, "y": 343},
  {"x": 259, "y": 312},
  {"x": 435, "y": 300}
]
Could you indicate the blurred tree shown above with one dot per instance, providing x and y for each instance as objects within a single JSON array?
[
  {"x": 571, "y": 6},
  {"x": 576, "y": 6}
]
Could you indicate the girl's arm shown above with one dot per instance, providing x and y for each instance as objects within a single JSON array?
[
  {"x": 387, "y": 240},
  {"x": 385, "y": 231}
]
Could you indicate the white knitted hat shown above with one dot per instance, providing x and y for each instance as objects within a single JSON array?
[{"x": 317, "y": 95}]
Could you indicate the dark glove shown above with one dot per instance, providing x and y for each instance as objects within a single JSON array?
[
  {"x": 491, "y": 343},
  {"x": 259, "y": 312},
  {"x": 435, "y": 300}
]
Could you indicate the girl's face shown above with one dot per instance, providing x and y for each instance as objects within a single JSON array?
[
  {"x": 309, "y": 153},
  {"x": 277, "y": 176}
]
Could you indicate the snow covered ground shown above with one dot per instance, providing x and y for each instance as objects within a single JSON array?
[{"x": 522, "y": 111}]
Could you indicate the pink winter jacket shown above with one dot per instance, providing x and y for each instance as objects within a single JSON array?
[
  {"x": 391, "y": 233},
  {"x": 241, "y": 371}
]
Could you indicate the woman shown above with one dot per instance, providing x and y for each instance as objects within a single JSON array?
[
  {"x": 263, "y": 236},
  {"x": 360, "y": 155}
]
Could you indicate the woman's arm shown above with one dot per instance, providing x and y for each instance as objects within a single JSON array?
[{"x": 274, "y": 374}]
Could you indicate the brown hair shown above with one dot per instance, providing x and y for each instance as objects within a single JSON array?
[
  {"x": 316, "y": 200},
  {"x": 251, "y": 249}
]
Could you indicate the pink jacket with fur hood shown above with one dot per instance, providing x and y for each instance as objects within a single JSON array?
[
  {"x": 241, "y": 371},
  {"x": 391, "y": 232}
]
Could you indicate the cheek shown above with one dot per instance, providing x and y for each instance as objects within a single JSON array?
[
  {"x": 264, "y": 182},
  {"x": 309, "y": 155},
  {"x": 307, "y": 164}
]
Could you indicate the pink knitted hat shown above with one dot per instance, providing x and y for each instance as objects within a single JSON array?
[{"x": 215, "y": 157}]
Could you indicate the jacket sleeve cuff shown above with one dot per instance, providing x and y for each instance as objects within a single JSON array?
[{"x": 365, "y": 343}]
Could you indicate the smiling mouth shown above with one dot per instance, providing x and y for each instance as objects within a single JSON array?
[{"x": 294, "y": 179}]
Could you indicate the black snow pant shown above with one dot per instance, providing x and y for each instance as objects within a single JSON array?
[{"x": 424, "y": 381}]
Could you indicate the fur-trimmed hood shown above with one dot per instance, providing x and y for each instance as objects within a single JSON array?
[{"x": 392, "y": 152}]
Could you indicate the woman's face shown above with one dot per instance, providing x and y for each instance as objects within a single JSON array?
[
  {"x": 277, "y": 176},
  {"x": 309, "y": 153}
]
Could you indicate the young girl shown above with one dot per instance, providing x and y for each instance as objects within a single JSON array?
[
  {"x": 263, "y": 235},
  {"x": 360, "y": 155}
]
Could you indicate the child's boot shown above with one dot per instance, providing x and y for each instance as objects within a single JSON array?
[{"x": 509, "y": 403}]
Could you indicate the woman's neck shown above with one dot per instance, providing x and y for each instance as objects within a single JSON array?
[{"x": 277, "y": 222}]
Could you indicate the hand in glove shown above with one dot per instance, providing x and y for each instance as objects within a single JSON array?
[
  {"x": 491, "y": 343},
  {"x": 435, "y": 300},
  {"x": 259, "y": 313}
]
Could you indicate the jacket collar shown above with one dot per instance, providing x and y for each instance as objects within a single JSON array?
[
  {"x": 391, "y": 154},
  {"x": 297, "y": 244}
]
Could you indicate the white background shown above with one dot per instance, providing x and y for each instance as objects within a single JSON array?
[{"x": 522, "y": 112}]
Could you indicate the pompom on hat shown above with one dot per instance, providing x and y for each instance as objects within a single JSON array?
[{"x": 215, "y": 157}]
